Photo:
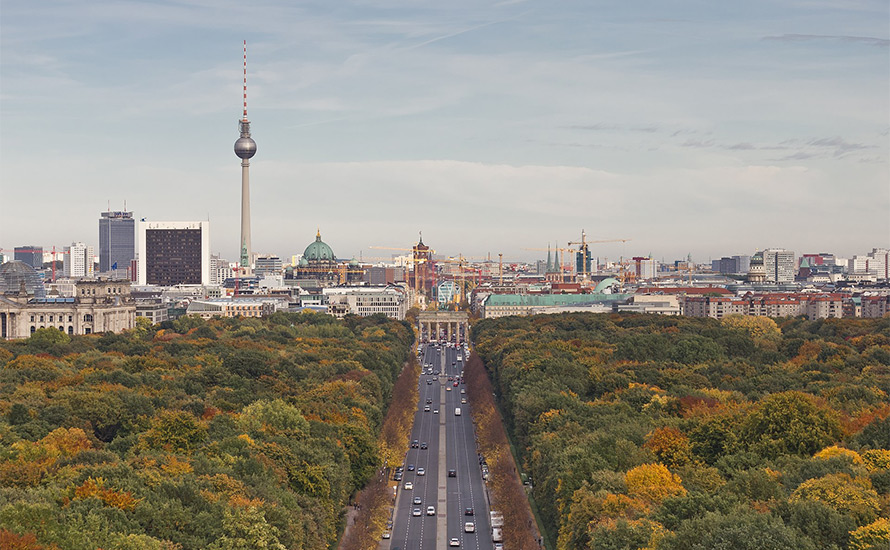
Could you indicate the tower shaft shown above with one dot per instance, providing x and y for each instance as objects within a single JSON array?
[{"x": 245, "y": 213}]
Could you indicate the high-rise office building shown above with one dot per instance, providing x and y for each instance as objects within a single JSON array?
[
  {"x": 268, "y": 265},
  {"x": 174, "y": 253},
  {"x": 79, "y": 260},
  {"x": 117, "y": 240},
  {"x": 780, "y": 265},
  {"x": 31, "y": 255}
]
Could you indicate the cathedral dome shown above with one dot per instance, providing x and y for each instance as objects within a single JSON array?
[
  {"x": 16, "y": 276},
  {"x": 318, "y": 251}
]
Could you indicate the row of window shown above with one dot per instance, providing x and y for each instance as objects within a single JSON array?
[
  {"x": 87, "y": 318},
  {"x": 70, "y": 329}
]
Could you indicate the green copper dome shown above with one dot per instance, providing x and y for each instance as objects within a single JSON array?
[{"x": 318, "y": 251}]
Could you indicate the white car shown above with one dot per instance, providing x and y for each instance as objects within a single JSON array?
[
  {"x": 387, "y": 534},
  {"x": 430, "y": 511},
  {"x": 409, "y": 486},
  {"x": 469, "y": 527},
  {"x": 454, "y": 542},
  {"x": 421, "y": 472},
  {"x": 415, "y": 512}
]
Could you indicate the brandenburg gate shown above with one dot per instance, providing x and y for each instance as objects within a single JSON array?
[{"x": 443, "y": 326}]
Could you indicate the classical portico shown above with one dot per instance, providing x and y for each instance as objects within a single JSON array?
[{"x": 443, "y": 326}]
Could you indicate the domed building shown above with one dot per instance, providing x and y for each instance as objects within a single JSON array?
[
  {"x": 318, "y": 262},
  {"x": 98, "y": 305},
  {"x": 756, "y": 269},
  {"x": 20, "y": 279}
]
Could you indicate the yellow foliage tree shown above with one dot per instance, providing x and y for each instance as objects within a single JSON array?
[
  {"x": 876, "y": 459},
  {"x": 834, "y": 451},
  {"x": 759, "y": 328},
  {"x": 874, "y": 536},
  {"x": 670, "y": 445},
  {"x": 847, "y": 495},
  {"x": 653, "y": 482}
]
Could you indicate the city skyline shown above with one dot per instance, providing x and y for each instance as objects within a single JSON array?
[{"x": 491, "y": 129}]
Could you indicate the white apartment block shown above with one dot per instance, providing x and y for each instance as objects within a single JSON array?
[
  {"x": 366, "y": 301},
  {"x": 78, "y": 260},
  {"x": 780, "y": 265}
]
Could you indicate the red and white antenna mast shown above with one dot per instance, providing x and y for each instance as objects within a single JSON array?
[{"x": 245, "y": 80}]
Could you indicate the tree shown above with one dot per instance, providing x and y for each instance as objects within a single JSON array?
[
  {"x": 874, "y": 536},
  {"x": 653, "y": 482},
  {"x": 670, "y": 445},
  {"x": 847, "y": 495},
  {"x": 789, "y": 423}
]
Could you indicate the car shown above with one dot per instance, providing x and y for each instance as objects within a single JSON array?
[
  {"x": 454, "y": 542},
  {"x": 430, "y": 511},
  {"x": 463, "y": 400},
  {"x": 455, "y": 384},
  {"x": 429, "y": 382},
  {"x": 400, "y": 469},
  {"x": 469, "y": 527},
  {"x": 424, "y": 446},
  {"x": 463, "y": 390},
  {"x": 387, "y": 534},
  {"x": 410, "y": 467},
  {"x": 416, "y": 500},
  {"x": 426, "y": 408},
  {"x": 409, "y": 486},
  {"x": 435, "y": 411},
  {"x": 416, "y": 512},
  {"x": 450, "y": 378},
  {"x": 397, "y": 476},
  {"x": 429, "y": 400},
  {"x": 468, "y": 512},
  {"x": 497, "y": 546},
  {"x": 453, "y": 363},
  {"x": 448, "y": 388},
  {"x": 413, "y": 446},
  {"x": 452, "y": 473},
  {"x": 421, "y": 472}
]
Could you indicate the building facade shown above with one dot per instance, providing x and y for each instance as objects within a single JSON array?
[
  {"x": 366, "y": 301},
  {"x": 779, "y": 265},
  {"x": 174, "y": 253},
  {"x": 31, "y": 255},
  {"x": 98, "y": 305},
  {"x": 79, "y": 260},
  {"x": 117, "y": 240}
]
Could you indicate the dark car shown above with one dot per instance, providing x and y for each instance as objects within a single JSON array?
[
  {"x": 410, "y": 467},
  {"x": 452, "y": 473},
  {"x": 468, "y": 512},
  {"x": 429, "y": 400},
  {"x": 424, "y": 445},
  {"x": 397, "y": 476},
  {"x": 413, "y": 446},
  {"x": 429, "y": 382}
]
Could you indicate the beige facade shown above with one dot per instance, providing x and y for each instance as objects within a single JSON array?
[
  {"x": 448, "y": 326},
  {"x": 99, "y": 305}
]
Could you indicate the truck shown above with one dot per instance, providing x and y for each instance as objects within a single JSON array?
[{"x": 497, "y": 524}]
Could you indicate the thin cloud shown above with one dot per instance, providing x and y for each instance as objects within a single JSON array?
[{"x": 870, "y": 40}]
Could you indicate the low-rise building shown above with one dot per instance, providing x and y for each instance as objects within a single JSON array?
[
  {"x": 389, "y": 300},
  {"x": 232, "y": 307}
]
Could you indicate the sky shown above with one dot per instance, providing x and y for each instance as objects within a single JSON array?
[{"x": 689, "y": 127}]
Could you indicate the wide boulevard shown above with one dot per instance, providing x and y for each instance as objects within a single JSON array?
[{"x": 442, "y": 469}]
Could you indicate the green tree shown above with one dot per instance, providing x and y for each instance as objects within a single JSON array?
[{"x": 789, "y": 423}]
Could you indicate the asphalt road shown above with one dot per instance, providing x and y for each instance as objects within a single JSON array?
[{"x": 451, "y": 446}]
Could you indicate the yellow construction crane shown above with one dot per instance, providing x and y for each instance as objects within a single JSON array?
[{"x": 583, "y": 249}]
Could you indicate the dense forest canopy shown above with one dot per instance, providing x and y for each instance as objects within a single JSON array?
[
  {"x": 654, "y": 432},
  {"x": 225, "y": 434}
]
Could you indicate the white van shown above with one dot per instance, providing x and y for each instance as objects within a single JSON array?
[{"x": 456, "y": 411}]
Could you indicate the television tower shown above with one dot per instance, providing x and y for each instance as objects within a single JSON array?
[{"x": 245, "y": 148}]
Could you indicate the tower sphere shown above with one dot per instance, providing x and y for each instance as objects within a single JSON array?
[{"x": 245, "y": 147}]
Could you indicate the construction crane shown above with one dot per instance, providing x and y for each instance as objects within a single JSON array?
[{"x": 583, "y": 249}]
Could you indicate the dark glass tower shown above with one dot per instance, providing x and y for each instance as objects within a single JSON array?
[{"x": 117, "y": 240}]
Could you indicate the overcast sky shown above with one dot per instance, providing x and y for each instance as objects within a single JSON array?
[{"x": 702, "y": 127}]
